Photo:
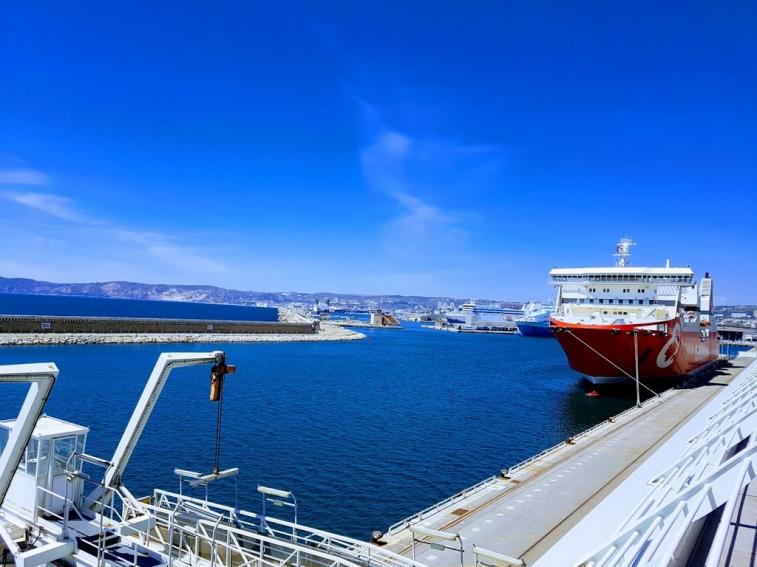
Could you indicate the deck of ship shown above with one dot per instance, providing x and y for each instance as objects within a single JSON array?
[{"x": 526, "y": 514}]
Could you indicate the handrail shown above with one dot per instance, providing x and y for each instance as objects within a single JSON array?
[
  {"x": 666, "y": 514},
  {"x": 207, "y": 531},
  {"x": 404, "y": 523},
  {"x": 443, "y": 504},
  {"x": 711, "y": 472},
  {"x": 571, "y": 440},
  {"x": 358, "y": 550}
]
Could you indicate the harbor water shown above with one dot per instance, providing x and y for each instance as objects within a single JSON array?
[{"x": 365, "y": 433}]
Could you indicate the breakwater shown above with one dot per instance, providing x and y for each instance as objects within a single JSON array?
[
  {"x": 108, "y": 325},
  {"x": 325, "y": 333}
]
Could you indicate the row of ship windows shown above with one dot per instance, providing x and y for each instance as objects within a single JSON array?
[
  {"x": 618, "y": 301},
  {"x": 607, "y": 290},
  {"x": 624, "y": 278}
]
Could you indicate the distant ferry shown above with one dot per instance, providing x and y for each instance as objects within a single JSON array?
[
  {"x": 607, "y": 319},
  {"x": 472, "y": 315},
  {"x": 535, "y": 320}
]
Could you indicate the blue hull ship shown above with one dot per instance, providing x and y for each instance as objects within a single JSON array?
[
  {"x": 534, "y": 329},
  {"x": 535, "y": 320}
]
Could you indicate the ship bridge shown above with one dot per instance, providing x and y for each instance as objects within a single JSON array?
[
  {"x": 586, "y": 295},
  {"x": 657, "y": 276}
]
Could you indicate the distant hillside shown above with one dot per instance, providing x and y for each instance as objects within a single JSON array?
[{"x": 205, "y": 293}]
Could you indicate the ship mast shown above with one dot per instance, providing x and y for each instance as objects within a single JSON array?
[{"x": 623, "y": 251}]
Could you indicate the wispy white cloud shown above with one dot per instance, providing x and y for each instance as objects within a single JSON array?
[
  {"x": 163, "y": 248},
  {"x": 23, "y": 177},
  {"x": 417, "y": 216},
  {"x": 87, "y": 235},
  {"x": 436, "y": 184},
  {"x": 53, "y": 205},
  {"x": 426, "y": 177}
]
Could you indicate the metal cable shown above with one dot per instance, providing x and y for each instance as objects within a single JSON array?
[
  {"x": 610, "y": 361},
  {"x": 219, "y": 416}
]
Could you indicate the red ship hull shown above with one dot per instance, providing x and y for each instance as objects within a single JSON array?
[{"x": 667, "y": 349}]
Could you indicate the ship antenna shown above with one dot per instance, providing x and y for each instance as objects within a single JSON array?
[{"x": 623, "y": 251}]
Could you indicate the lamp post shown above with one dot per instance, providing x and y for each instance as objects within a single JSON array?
[
  {"x": 422, "y": 531},
  {"x": 494, "y": 559},
  {"x": 280, "y": 498}
]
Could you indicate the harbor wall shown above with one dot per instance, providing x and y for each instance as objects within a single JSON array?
[{"x": 106, "y": 325}]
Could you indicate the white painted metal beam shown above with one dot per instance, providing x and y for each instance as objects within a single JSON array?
[
  {"x": 45, "y": 554},
  {"x": 40, "y": 377},
  {"x": 166, "y": 363}
]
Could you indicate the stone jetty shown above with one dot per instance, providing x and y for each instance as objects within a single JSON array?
[{"x": 325, "y": 333}]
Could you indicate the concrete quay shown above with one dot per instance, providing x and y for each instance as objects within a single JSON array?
[{"x": 527, "y": 510}]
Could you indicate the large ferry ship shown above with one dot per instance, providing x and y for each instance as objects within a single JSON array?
[
  {"x": 472, "y": 315},
  {"x": 611, "y": 320}
]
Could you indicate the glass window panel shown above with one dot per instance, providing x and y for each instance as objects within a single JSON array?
[
  {"x": 64, "y": 448},
  {"x": 44, "y": 462},
  {"x": 31, "y": 457}
]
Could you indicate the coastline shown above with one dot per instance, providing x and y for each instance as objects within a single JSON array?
[{"x": 327, "y": 333}]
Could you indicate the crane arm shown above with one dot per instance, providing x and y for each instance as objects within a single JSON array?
[{"x": 166, "y": 363}]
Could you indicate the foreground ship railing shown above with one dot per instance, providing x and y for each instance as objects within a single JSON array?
[
  {"x": 349, "y": 549},
  {"x": 92, "y": 520},
  {"x": 718, "y": 463}
]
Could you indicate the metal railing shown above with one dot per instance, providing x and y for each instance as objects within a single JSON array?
[
  {"x": 508, "y": 472},
  {"x": 417, "y": 517},
  {"x": 716, "y": 464},
  {"x": 185, "y": 531},
  {"x": 189, "y": 539},
  {"x": 362, "y": 553},
  {"x": 586, "y": 432}
]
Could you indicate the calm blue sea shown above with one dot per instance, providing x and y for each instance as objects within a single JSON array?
[
  {"x": 22, "y": 304},
  {"x": 365, "y": 433}
]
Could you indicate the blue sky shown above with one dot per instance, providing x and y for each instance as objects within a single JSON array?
[{"x": 378, "y": 147}]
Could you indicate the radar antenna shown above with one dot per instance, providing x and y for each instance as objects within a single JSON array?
[{"x": 623, "y": 251}]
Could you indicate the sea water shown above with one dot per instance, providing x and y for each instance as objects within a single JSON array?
[{"x": 365, "y": 432}]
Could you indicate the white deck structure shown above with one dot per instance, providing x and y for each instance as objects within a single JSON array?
[{"x": 60, "y": 504}]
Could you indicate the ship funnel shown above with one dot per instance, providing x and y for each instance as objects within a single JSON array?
[{"x": 667, "y": 263}]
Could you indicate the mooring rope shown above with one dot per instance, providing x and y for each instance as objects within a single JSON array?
[{"x": 610, "y": 361}]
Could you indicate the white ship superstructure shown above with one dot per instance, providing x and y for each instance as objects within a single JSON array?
[{"x": 471, "y": 315}]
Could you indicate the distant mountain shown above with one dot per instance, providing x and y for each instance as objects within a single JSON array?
[{"x": 208, "y": 294}]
